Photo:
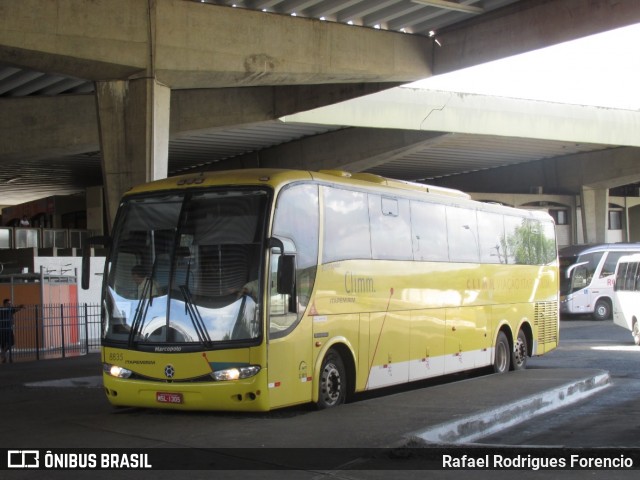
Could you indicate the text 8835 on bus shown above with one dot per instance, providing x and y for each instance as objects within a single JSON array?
[{"x": 258, "y": 289}]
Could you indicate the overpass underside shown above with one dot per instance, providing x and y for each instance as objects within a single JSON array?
[{"x": 167, "y": 69}]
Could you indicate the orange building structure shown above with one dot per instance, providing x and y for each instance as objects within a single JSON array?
[{"x": 49, "y": 319}]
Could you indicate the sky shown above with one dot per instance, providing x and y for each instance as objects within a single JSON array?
[{"x": 600, "y": 70}]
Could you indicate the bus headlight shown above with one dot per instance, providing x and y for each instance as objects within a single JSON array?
[
  {"x": 236, "y": 373},
  {"x": 116, "y": 371}
]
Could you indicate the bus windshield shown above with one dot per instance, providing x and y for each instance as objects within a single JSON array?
[
  {"x": 184, "y": 269},
  {"x": 576, "y": 272}
]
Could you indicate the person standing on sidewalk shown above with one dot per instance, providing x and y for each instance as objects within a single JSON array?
[{"x": 6, "y": 329}]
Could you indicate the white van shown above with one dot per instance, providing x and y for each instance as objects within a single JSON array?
[{"x": 626, "y": 298}]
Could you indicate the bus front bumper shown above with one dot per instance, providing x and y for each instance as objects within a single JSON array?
[{"x": 249, "y": 395}]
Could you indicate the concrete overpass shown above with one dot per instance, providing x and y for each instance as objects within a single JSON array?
[{"x": 167, "y": 75}]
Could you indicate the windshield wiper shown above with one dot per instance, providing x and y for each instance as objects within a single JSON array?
[
  {"x": 141, "y": 310},
  {"x": 194, "y": 315}
]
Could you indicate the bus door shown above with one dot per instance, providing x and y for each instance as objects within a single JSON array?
[
  {"x": 290, "y": 340},
  {"x": 291, "y": 275}
]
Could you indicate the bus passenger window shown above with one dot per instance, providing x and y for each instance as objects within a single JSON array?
[
  {"x": 390, "y": 228},
  {"x": 493, "y": 248},
  {"x": 620, "y": 277},
  {"x": 630, "y": 280},
  {"x": 462, "y": 226},
  {"x": 530, "y": 242},
  {"x": 609, "y": 266},
  {"x": 429, "y": 232},
  {"x": 346, "y": 225}
]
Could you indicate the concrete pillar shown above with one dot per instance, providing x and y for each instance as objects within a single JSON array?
[
  {"x": 595, "y": 208},
  {"x": 133, "y": 119},
  {"x": 95, "y": 209}
]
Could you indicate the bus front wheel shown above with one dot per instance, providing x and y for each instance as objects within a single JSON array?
[
  {"x": 502, "y": 358},
  {"x": 520, "y": 352},
  {"x": 333, "y": 381},
  {"x": 602, "y": 310}
]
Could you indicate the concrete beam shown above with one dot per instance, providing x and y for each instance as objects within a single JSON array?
[
  {"x": 102, "y": 39},
  {"x": 353, "y": 150},
  {"x": 604, "y": 169},
  {"x": 202, "y": 109},
  {"x": 422, "y": 109},
  {"x": 601, "y": 169},
  {"x": 199, "y": 45},
  {"x": 49, "y": 127},
  {"x": 527, "y": 25}
]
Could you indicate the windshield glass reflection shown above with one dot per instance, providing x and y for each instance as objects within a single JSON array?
[{"x": 185, "y": 269}]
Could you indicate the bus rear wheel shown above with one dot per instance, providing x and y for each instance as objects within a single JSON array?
[
  {"x": 502, "y": 359},
  {"x": 333, "y": 381},
  {"x": 520, "y": 352},
  {"x": 636, "y": 333}
]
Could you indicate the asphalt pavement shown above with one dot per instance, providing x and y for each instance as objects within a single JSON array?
[
  {"x": 59, "y": 405},
  {"x": 64, "y": 401}
]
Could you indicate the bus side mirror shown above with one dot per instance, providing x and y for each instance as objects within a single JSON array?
[
  {"x": 286, "y": 274},
  {"x": 573, "y": 267},
  {"x": 86, "y": 257}
]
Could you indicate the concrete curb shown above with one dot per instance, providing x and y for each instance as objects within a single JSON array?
[{"x": 485, "y": 423}]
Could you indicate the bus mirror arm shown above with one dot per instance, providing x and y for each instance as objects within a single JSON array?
[
  {"x": 86, "y": 257},
  {"x": 573, "y": 267},
  {"x": 274, "y": 242}
]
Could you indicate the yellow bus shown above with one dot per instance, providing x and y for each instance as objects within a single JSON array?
[{"x": 251, "y": 290}]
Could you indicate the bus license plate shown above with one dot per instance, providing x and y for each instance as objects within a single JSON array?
[{"x": 167, "y": 397}]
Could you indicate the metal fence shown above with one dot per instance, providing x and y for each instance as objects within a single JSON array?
[{"x": 43, "y": 332}]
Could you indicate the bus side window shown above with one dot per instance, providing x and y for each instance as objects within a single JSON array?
[
  {"x": 629, "y": 281},
  {"x": 631, "y": 276},
  {"x": 462, "y": 228},
  {"x": 584, "y": 274},
  {"x": 390, "y": 228},
  {"x": 620, "y": 277},
  {"x": 296, "y": 223},
  {"x": 346, "y": 225},
  {"x": 429, "y": 231},
  {"x": 580, "y": 279},
  {"x": 609, "y": 266},
  {"x": 493, "y": 245}
]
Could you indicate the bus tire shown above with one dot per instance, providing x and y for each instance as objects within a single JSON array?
[
  {"x": 636, "y": 332},
  {"x": 602, "y": 310},
  {"x": 332, "y": 385},
  {"x": 520, "y": 352},
  {"x": 502, "y": 354}
]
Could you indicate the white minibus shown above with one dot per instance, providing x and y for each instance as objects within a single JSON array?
[{"x": 626, "y": 298}]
